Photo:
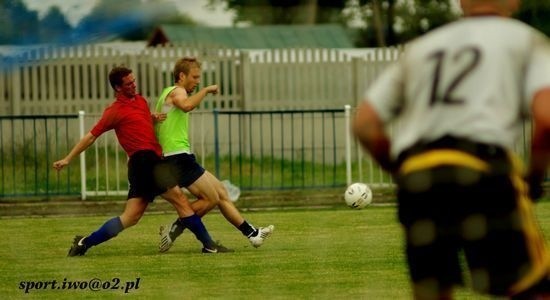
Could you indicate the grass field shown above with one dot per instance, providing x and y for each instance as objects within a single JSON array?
[{"x": 313, "y": 254}]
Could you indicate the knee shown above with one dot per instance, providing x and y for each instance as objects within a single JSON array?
[
  {"x": 210, "y": 202},
  {"x": 135, "y": 207},
  {"x": 223, "y": 195},
  {"x": 175, "y": 195},
  {"x": 130, "y": 219}
]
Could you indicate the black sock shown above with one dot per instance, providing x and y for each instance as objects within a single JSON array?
[
  {"x": 247, "y": 229},
  {"x": 176, "y": 229}
]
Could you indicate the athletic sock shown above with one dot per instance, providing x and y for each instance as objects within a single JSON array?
[
  {"x": 194, "y": 223},
  {"x": 108, "y": 230},
  {"x": 176, "y": 230},
  {"x": 247, "y": 229}
]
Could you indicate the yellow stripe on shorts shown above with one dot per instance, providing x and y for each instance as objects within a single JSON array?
[
  {"x": 538, "y": 251},
  {"x": 439, "y": 157}
]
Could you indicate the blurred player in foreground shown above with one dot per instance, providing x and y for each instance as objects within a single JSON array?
[
  {"x": 459, "y": 96},
  {"x": 132, "y": 121},
  {"x": 177, "y": 101}
]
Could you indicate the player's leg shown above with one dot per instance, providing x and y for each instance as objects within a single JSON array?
[
  {"x": 256, "y": 236},
  {"x": 428, "y": 200},
  {"x": 135, "y": 207},
  {"x": 513, "y": 255},
  {"x": 207, "y": 187},
  {"x": 186, "y": 170},
  {"x": 140, "y": 177},
  {"x": 188, "y": 219}
]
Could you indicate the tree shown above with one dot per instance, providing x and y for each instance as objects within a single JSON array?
[
  {"x": 393, "y": 22},
  {"x": 379, "y": 17},
  {"x": 127, "y": 19},
  {"x": 424, "y": 16},
  {"x": 54, "y": 27},
  {"x": 18, "y": 25},
  {"x": 535, "y": 13},
  {"x": 264, "y": 12}
]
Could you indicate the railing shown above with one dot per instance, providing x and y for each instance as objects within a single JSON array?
[
  {"x": 256, "y": 150},
  {"x": 28, "y": 146},
  {"x": 281, "y": 149}
]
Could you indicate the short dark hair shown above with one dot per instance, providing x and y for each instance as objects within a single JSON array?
[{"x": 116, "y": 75}]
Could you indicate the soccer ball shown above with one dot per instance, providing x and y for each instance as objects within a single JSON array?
[{"x": 358, "y": 195}]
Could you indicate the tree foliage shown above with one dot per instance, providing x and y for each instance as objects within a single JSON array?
[
  {"x": 127, "y": 19},
  {"x": 54, "y": 26},
  {"x": 121, "y": 19},
  {"x": 535, "y": 13},
  {"x": 264, "y": 12},
  {"x": 18, "y": 25},
  {"x": 21, "y": 26},
  {"x": 391, "y": 22},
  {"x": 385, "y": 22},
  {"x": 424, "y": 16}
]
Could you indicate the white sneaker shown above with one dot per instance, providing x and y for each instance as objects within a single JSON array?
[
  {"x": 263, "y": 233},
  {"x": 165, "y": 240}
]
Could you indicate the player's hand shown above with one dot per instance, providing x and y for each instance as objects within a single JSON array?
[
  {"x": 60, "y": 164},
  {"x": 212, "y": 89},
  {"x": 158, "y": 117}
]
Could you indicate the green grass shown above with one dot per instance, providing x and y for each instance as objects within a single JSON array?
[{"x": 313, "y": 254}]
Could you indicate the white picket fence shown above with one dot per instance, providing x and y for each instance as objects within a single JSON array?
[{"x": 65, "y": 80}]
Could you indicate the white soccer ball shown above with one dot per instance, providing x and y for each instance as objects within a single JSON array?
[{"x": 358, "y": 195}]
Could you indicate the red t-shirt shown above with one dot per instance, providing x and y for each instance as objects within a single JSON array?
[{"x": 133, "y": 125}]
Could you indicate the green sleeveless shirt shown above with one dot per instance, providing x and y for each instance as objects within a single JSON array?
[{"x": 172, "y": 133}]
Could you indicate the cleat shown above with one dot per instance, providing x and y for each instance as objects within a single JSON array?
[
  {"x": 78, "y": 248},
  {"x": 166, "y": 241},
  {"x": 262, "y": 234},
  {"x": 217, "y": 248}
]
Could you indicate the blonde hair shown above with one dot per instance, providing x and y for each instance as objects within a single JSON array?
[{"x": 183, "y": 65}]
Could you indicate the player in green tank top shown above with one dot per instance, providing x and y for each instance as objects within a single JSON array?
[{"x": 173, "y": 134}]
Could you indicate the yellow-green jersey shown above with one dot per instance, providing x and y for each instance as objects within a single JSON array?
[
  {"x": 172, "y": 133},
  {"x": 474, "y": 79}
]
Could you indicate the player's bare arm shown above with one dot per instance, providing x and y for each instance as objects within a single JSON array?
[
  {"x": 369, "y": 130},
  {"x": 82, "y": 145},
  {"x": 182, "y": 100}
]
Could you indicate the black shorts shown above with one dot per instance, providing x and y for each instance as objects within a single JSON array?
[
  {"x": 478, "y": 207},
  {"x": 149, "y": 176},
  {"x": 187, "y": 169}
]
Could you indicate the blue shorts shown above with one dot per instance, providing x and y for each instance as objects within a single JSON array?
[
  {"x": 186, "y": 168},
  {"x": 149, "y": 175}
]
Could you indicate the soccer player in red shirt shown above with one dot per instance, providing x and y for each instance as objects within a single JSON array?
[{"x": 148, "y": 174}]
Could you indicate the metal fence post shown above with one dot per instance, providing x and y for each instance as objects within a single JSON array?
[
  {"x": 216, "y": 144},
  {"x": 347, "y": 109},
  {"x": 81, "y": 114}
]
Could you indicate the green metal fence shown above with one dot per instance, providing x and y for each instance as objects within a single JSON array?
[
  {"x": 256, "y": 150},
  {"x": 28, "y": 146},
  {"x": 281, "y": 149}
]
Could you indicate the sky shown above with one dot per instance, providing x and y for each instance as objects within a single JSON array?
[{"x": 74, "y": 10}]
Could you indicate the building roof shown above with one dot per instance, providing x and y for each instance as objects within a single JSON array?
[{"x": 255, "y": 37}]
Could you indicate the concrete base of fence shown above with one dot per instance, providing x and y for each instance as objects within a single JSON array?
[{"x": 249, "y": 201}]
